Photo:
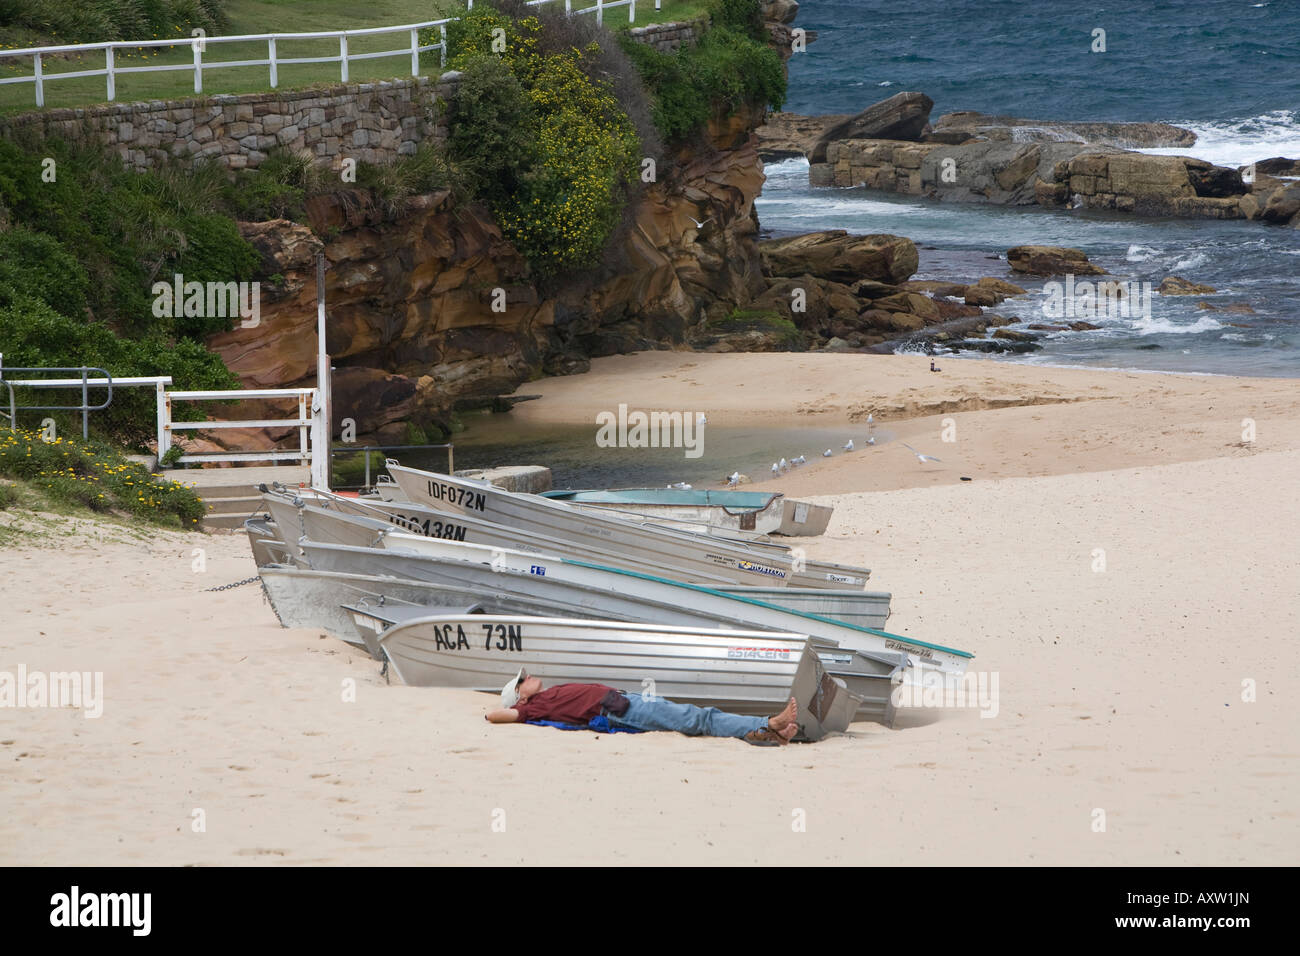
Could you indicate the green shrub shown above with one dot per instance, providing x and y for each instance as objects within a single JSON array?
[
  {"x": 725, "y": 70},
  {"x": 35, "y": 336},
  {"x": 743, "y": 16},
  {"x": 493, "y": 128},
  {"x": 8, "y": 496},
  {"x": 37, "y": 265}
]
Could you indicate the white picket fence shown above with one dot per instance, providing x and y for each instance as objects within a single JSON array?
[{"x": 273, "y": 61}]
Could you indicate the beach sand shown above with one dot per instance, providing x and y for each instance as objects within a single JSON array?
[{"x": 1120, "y": 684}]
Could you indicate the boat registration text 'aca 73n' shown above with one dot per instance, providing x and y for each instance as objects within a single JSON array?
[
  {"x": 457, "y": 496},
  {"x": 500, "y": 637}
]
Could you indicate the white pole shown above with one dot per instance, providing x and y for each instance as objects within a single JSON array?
[
  {"x": 442, "y": 29},
  {"x": 198, "y": 67},
  {"x": 415, "y": 53},
  {"x": 631, "y": 12},
  {"x": 343, "y": 54},
  {"x": 112, "y": 81},
  {"x": 164, "y": 422},
  {"x": 270, "y": 55},
  {"x": 600, "y": 12},
  {"x": 40, "y": 82},
  {"x": 320, "y": 453}
]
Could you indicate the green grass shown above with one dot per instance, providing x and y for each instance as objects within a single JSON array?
[
  {"x": 756, "y": 320},
  {"x": 272, "y": 16}
]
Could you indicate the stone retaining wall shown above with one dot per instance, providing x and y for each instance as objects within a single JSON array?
[
  {"x": 369, "y": 122},
  {"x": 666, "y": 37}
]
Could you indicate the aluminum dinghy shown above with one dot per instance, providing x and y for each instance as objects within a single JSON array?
[
  {"x": 746, "y": 672},
  {"x": 645, "y": 541}
]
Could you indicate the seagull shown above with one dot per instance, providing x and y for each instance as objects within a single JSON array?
[
  {"x": 680, "y": 486},
  {"x": 871, "y": 440},
  {"x": 848, "y": 446},
  {"x": 785, "y": 465},
  {"x": 775, "y": 469},
  {"x": 826, "y": 453},
  {"x": 871, "y": 419},
  {"x": 919, "y": 456},
  {"x": 733, "y": 479},
  {"x": 798, "y": 461},
  {"x": 698, "y": 224}
]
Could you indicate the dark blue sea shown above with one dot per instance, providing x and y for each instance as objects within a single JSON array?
[{"x": 1227, "y": 69}]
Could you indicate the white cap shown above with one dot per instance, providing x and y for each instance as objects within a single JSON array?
[{"x": 510, "y": 693}]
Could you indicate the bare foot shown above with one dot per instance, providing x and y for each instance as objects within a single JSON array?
[{"x": 785, "y": 720}]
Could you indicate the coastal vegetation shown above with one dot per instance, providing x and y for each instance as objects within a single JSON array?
[
  {"x": 544, "y": 131},
  {"x": 97, "y": 476}
]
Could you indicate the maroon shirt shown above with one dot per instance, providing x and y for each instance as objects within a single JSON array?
[{"x": 564, "y": 703}]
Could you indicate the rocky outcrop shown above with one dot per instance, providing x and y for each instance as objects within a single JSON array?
[
  {"x": 973, "y": 125},
  {"x": 902, "y": 117},
  {"x": 840, "y": 257},
  {"x": 431, "y": 308},
  {"x": 1051, "y": 261},
  {"x": 791, "y": 135},
  {"x": 1176, "y": 285},
  {"x": 971, "y": 157}
]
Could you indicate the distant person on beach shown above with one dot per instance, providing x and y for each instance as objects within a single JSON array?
[{"x": 523, "y": 699}]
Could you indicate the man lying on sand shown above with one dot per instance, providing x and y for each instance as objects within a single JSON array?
[{"x": 523, "y": 699}]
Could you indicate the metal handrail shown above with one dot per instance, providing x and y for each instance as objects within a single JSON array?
[{"x": 84, "y": 383}]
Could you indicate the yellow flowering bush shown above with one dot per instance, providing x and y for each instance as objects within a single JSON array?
[
  {"x": 98, "y": 477},
  {"x": 558, "y": 172}
]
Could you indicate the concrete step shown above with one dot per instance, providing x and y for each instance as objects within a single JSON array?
[
  {"x": 246, "y": 505},
  {"x": 232, "y": 522}
]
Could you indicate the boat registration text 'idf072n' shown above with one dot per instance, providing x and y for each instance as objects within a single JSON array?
[
  {"x": 499, "y": 637},
  {"x": 457, "y": 496}
]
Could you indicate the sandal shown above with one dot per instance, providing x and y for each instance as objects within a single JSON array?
[{"x": 764, "y": 738}]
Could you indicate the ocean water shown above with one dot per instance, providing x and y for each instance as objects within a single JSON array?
[{"x": 1230, "y": 71}]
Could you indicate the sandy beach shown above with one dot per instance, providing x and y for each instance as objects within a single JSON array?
[{"x": 1124, "y": 563}]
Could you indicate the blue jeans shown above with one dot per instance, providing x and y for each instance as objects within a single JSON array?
[{"x": 656, "y": 713}]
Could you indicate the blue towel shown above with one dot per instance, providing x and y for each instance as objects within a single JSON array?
[{"x": 600, "y": 723}]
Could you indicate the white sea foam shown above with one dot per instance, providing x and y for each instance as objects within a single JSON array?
[
  {"x": 1240, "y": 142},
  {"x": 1152, "y": 325}
]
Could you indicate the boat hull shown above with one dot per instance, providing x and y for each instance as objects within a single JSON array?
[{"x": 643, "y": 541}]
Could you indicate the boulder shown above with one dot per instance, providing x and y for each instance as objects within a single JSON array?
[
  {"x": 1000, "y": 285},
  {"x": 1011, "y": 335},
  {"x": 953, "y": 289},
  {"x": 982, "y": 296},
  {"x": 1216, "y": 182},
  {"x": 841, "y": 257},
  {"x": 1051, "y": 261},
  {"x": 1176, "y": 285},
  {"x": 1283, "y": 205},
  {"x": 903, "y": 116}
]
